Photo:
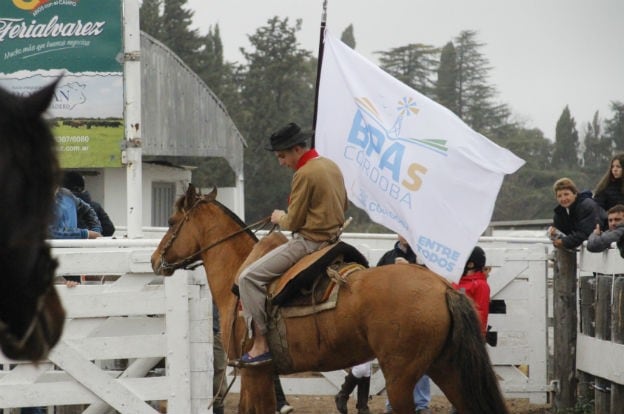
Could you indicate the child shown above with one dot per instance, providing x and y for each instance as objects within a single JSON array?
[{"x": 474, "y": 284}]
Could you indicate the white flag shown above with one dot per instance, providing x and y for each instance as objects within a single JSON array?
[{"x": 410, "y": 163}]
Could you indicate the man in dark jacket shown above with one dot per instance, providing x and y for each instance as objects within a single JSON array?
[
  {"x": 575, "y": 217},
  {"x": 75, "y": 183},
  {"x": 601, "y": 240},
  {"x": 403, "y": 253}
]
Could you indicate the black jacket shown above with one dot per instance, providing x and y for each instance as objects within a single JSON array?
[
  {"x": 580, "y": 221},
  {"x": 108, "y": 228},
  {"x": 611, "y": 195},
  {"x": 390, "y": 256}
]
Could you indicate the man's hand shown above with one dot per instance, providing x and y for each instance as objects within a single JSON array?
[
  {"x": 401, "y": 260},
  {"x": 558, "y": 243},
  {"x": 93, "y": 234},
  {"x": 277, "y": 215},
  {"x": 597, "y": 230}
]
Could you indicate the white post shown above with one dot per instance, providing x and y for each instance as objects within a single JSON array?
[
  {"x": 132, "y": 115},
  {"x": 240, "y": 195}
]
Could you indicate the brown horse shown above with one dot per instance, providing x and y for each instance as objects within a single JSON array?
[
  {"x": 31, "y": 315},
  {"x": 407, "y": 317}
]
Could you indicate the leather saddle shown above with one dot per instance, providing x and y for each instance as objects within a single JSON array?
[{"x": 307, "y": 281}]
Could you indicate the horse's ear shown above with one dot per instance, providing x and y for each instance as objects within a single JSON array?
[
  {"x": 39, "y": 101},
  {"x": 191, "y": 194},
  {"x": 213, "y": 194}
]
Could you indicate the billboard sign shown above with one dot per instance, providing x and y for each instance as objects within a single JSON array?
[{"x": 81, "y": 40}]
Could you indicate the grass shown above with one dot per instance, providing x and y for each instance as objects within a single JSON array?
[{"x": 97, "y": 147}]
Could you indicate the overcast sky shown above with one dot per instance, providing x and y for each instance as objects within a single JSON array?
[{"x": 544, "y": 54}]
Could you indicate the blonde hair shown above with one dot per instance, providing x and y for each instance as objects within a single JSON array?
[{"x": 565, "y": 184}]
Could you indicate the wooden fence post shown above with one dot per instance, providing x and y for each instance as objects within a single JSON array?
[
  {"x": 565, "y": 316},
  {"x": 617, "y": 336},
  {"x": 602, "y": 397},
  {"x": 587, "y": 293}
]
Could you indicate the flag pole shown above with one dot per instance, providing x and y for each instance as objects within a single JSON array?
[{"x": 318, "y": 67}]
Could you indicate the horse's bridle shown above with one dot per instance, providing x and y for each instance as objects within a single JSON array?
[
  {"x": 193, "y": 261},
  {"x": 18, "y": 343}
]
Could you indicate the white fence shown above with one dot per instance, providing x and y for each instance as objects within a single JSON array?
[
  {"x": 519, "y": 277},
  {"x": 599, "y": 357},
  {"x": 116, "y": 335},
  {"x": 142, "y": 319}
]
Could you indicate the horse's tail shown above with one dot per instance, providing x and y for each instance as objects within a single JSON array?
[{"x": 479, "y": 385}]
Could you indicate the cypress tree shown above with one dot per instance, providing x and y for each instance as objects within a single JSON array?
[
  {"x": 565, "y": 154},
  {"x": 446, "y": 88}
]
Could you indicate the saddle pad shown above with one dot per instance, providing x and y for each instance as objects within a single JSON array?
[{"x": 304, "y": 272}]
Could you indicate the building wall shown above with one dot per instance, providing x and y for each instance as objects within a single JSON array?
[{"x": 107, "y": 186}]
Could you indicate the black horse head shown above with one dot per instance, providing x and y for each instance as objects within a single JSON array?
[{"x": 30, "y": 323}]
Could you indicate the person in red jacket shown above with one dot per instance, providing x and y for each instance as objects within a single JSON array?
[{"x": 474, "y": 284}]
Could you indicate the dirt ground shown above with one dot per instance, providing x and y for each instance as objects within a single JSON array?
[{"x": 325, "y": 405}]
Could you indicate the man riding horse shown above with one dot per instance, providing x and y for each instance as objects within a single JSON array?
[{"x": 315, "y": 216}]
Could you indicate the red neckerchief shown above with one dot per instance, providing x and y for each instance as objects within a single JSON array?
[{"x": 307, "y": 156}]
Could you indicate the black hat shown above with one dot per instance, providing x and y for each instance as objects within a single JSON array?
[
  {"x": 286, "y": 137},
  {"x": 477, "y": 257},
  {"x": 73, "y": 181}
]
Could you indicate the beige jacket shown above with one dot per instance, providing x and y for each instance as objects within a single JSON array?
[{"x": 318, "y": 200}]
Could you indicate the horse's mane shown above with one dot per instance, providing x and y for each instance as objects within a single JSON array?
[{"x": 210, "y": 198}]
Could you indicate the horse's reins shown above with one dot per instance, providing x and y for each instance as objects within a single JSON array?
[
  {"x": 19, "y": 343},
  {"x": 192, "y": 261}
]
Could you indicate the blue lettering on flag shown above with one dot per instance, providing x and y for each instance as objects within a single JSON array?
[{"x": 434, "y": 251}]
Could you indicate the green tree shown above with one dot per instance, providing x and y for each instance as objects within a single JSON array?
[
  {"x": 177, "y": 33},
  {"x": 413, "y": 64},
  {"x": 277, "y": 87},
  {"x": 446, "y": 87},
  {"x": 597, "y": 151},
  {"x": 527, "y": 193},
  {"x": 211, "y": 66},
  {"x": 222, "y": 79},
  {"x": 219, "y": 75},
  {"x": 475, "y": 96},
  {"x": 565, "y": 153},
  {"x": 348, "y": 37},
  {"x": 150, "y": 18},
  {"x": 614, "y": 127}
]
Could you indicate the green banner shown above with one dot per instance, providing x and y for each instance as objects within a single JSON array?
[
  {"x": 78, "y": 36},
  {"x": 81, "y": 40}
]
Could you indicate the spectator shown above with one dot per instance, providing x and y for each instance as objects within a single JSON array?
[
  {"x": 358, "y": 376},
  {"x": 599, "y": 241},
  {"x": 403, "y": 253},
  {"x": 282, "y": 405},
  {"x": 474, "y": 284},
  {"x": 610, "y": 188},
  {"x": 219, "y": 383},
  {"x": 75, "y": 183},
  {"x": 575, "y": 217},
  {"x": 65, "y": 225},
  {"x": 68, "y": 209}
]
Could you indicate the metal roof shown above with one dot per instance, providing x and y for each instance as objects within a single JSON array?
[{"x": 180, "y": 114}]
